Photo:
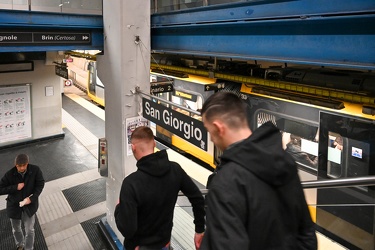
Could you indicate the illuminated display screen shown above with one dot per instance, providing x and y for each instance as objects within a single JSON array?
[{"x": 357, "y": 152}]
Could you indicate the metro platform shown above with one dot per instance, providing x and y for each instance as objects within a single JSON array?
[{"x": 73, "y": 200}]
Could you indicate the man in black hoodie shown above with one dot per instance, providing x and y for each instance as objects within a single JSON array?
[
  {"x": 255, "y": 200},
  {"x": 148, "y": 196}
]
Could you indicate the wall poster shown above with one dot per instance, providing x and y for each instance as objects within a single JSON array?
[
  {"x": 131, "y": 124},
  {"x": 15, "y": 114}
]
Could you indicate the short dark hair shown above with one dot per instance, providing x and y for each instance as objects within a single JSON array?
[
  {"x": 21, "y": 159},
  {"x": 142, "y": 132},
  {"x": 228, "y": 107}
]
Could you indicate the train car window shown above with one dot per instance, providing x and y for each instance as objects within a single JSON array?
[
  {"x": 264, "y": 117},
  {"x": 299, "y": 139},
  {"x": 165, "y": 96},
  {"x": 188, "y": 99}
]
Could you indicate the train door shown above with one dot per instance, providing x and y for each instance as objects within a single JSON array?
[
  {"x": 347, "y": 149},
  {"x": 95, "y": 89},
  {"x": 91, "y": 67}
]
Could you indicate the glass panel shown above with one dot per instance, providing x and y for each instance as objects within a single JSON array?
[
  {"x": 46, "y": 5},
  {"x": 183, "y": 227},
  {"x": 340, "y": 224},
  {"x": 159, "y": 6},
  {"x": 6, "y": 4},
  {"x": 93, "y": 7},
  {"x": 346, "y": 215},
  {"x": 20, "y": 5}
]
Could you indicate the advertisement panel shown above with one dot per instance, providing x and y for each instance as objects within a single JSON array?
[{"x": 15, "y": 115}]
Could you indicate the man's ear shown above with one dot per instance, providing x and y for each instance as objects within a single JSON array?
[
  {"x": 133, "y": 147},
  {"x": 219, "y": 127}
]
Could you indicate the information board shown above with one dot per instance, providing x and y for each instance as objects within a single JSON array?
[{"x": 15, "y": 115}]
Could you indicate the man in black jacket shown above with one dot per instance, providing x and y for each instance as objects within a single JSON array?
[
  {"x": 255, "y": 200},
  {"x": 148, "y": 196},
  {"x": 23, "y": 185}
]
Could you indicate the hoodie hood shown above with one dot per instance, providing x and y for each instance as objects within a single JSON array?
[
  {"x": 263, "y": 155},
  {"x": 156, "y": 164}
]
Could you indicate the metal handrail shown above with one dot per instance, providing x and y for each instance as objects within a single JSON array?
[
  {"x": 344, "y": 182},
  {"x": 334, "y": 183}
]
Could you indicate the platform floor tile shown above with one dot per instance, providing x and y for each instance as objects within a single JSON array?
[
  {"x": 7, "y": 240},
  {"x": 86, "y": 195},
  {"x": 93, "y": 233}
]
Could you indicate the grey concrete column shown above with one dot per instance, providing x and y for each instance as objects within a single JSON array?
[{"x": 124, "y": 65}]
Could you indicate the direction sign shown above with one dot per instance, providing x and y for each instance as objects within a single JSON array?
[
  {"x": 44, "y": 38},
  {"x": 61, "y": 71},
  {"x": 55, "y": 37},
  {"x": 15, "y": 37},
  {"x": 214, "y": 87},
  {"x": 185, "y": 95},
  {"x": 161, "y": 87}
]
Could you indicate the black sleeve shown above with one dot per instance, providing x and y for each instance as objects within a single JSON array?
[
  {"x": 210, "y": 179},
  {"x": 126, "y": 212},
  {"x": 307, "y": 235},
  {"x": 38, "y": 185},
  {"x": 6, "y": 187},
  {"x": 196, "y": 199}
]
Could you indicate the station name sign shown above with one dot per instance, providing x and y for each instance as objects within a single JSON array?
[
  {"x": 186, "y": 127},
  {"x": 43, "y": 38}
]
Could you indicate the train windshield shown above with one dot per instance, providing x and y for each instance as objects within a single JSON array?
[
  {"x": 188, "y": 99},
  {"x": 346, "y": 150},
  {"x": 299, "y": 138},
  {"x": 347, "y": 146}
]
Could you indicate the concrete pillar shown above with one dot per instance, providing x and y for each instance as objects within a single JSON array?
[{"x": 124, "y": 65}]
